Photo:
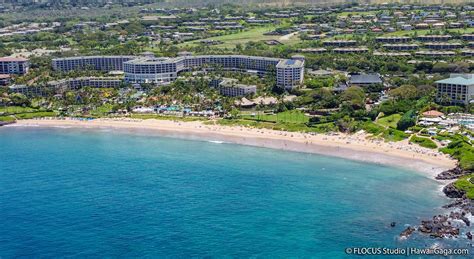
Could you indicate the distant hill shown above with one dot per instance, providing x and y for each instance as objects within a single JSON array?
[
  {"x": 178, "y": 3},
  {"x": 311, "y": 2}
]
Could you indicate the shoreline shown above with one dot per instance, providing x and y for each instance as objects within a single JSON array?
[{"x": 354, "y": 147}]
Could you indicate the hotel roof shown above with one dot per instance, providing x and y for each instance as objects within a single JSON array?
[
  {"x": 365, "y": 79},
  {"x": 458, "y": 79},
  {"x": 443, "y": 44},
  {"x": 151, "y": 60},
  {"x": 288, "y": 63},
  {"x": 90, "y": 57},
  {"x": 314, "y": 50},
  {"x": 435, "y": 53},
  {"x": 340, "y": 40},
  {"x": 392, "y": 37},
  {"x": 434, "y": 36},
  {"x": 12, "y": 59}
]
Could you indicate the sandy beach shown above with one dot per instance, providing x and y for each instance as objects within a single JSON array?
[{"x": 357, "y": 146}]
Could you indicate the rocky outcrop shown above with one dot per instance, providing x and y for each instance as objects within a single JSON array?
[
  {"x": 448, "y": 226},
  {"x": 439, "y": 227},
  {"x": 460, "y": 216},
  {"x": 451, "y": 174},
  {"x": 457, "y": 204},
  {"x": 407, "y": 232},
  {"x": 3, "y": 123},
  {"x": 452, "y": 192}
]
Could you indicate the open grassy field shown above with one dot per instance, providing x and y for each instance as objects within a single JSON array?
[
  {"x": 6, "y": 119},
  {"x": 31, "y": 115},
  {"x": 102, "y": 110},
  {"x": 253, "y": 34},
  {"x": 282, "y": 117},
  {"x": 389, "y": 121},
  {"x": 465, "y": 184},
  {"x": 290, "y": 127},
  {"x": 15, "y": 110},
  {"x": 291, "y": 121},
  {"x": 394, "y": 135}
]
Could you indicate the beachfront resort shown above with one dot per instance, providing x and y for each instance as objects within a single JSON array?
[
  {"x": 380, "y": 97},
  {"x": 376, "y": 69}
]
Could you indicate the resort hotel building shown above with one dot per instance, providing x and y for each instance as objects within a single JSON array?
[
  {"x": 101, "y": 63},
  {"x": 289, "y": 72},
  {"x": 231, "y": 87},
  {"x": 14, "y": 66},
  {"x": 67, "y": 84},
  {"x": 458, "y": 88}
]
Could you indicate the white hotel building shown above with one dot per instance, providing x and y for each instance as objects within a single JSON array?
[
  {"x": 458, "y": 88},
  {"x": 289, "y": 72},
  {"x": 101, "y": 63}
]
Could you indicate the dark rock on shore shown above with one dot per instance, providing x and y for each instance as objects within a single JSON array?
[
  {"x": 3, "y": 123},
  {"x": 407, "y": 232},
  {"x": 447, "y": 226},
  {"x": 439, "y": 227},
  {"x": 444, "y": 226},
  {"x": 458, "y": 203},
  {"x": 460, "y": 216},
  {"x": 451, "y": 174},
  {"x": 464, "y": 204},
  {"x": 452, "y": 192}
]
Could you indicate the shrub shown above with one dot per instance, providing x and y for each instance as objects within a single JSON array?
[
  {"x": 465, "y": 185},
  {"x": 372, "y": 128},
  {"x": 394, "y": 135},
  {"x": 462, "y": 151},
  {"x": 6, "y": 119},
  {"x": 424, "y": 142},
  {"x": 407, "y": 120}
]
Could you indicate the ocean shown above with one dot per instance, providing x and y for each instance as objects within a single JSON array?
[{"x": 104, "y": 193}]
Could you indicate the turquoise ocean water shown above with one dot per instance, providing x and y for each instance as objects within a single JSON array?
[{"x": 69, "y": 192}]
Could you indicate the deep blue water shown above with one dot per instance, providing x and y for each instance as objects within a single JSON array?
[{"x": 66, "y": 192}]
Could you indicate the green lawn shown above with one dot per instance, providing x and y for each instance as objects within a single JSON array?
[
  {"x": 252, "y": 34},
  {"x": 466, "y": 185},
  {"x": 282, "y": 117},
  {"x": 15, "y": 110},
  {"x": 291, "y": 127},
  {"x": 31, "y": 115},
  {"x": 462, "y": 150},
  {"x": 102, "y": 110},
  {"x": 372, "y": 128},
  {"x": 292, "y": 121},
  {"x": 394, "y": 135},
  {"x": 7, "y": 118},
  {"x": 384, "y": 131},
  {"x": 390, "y": 121}
]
